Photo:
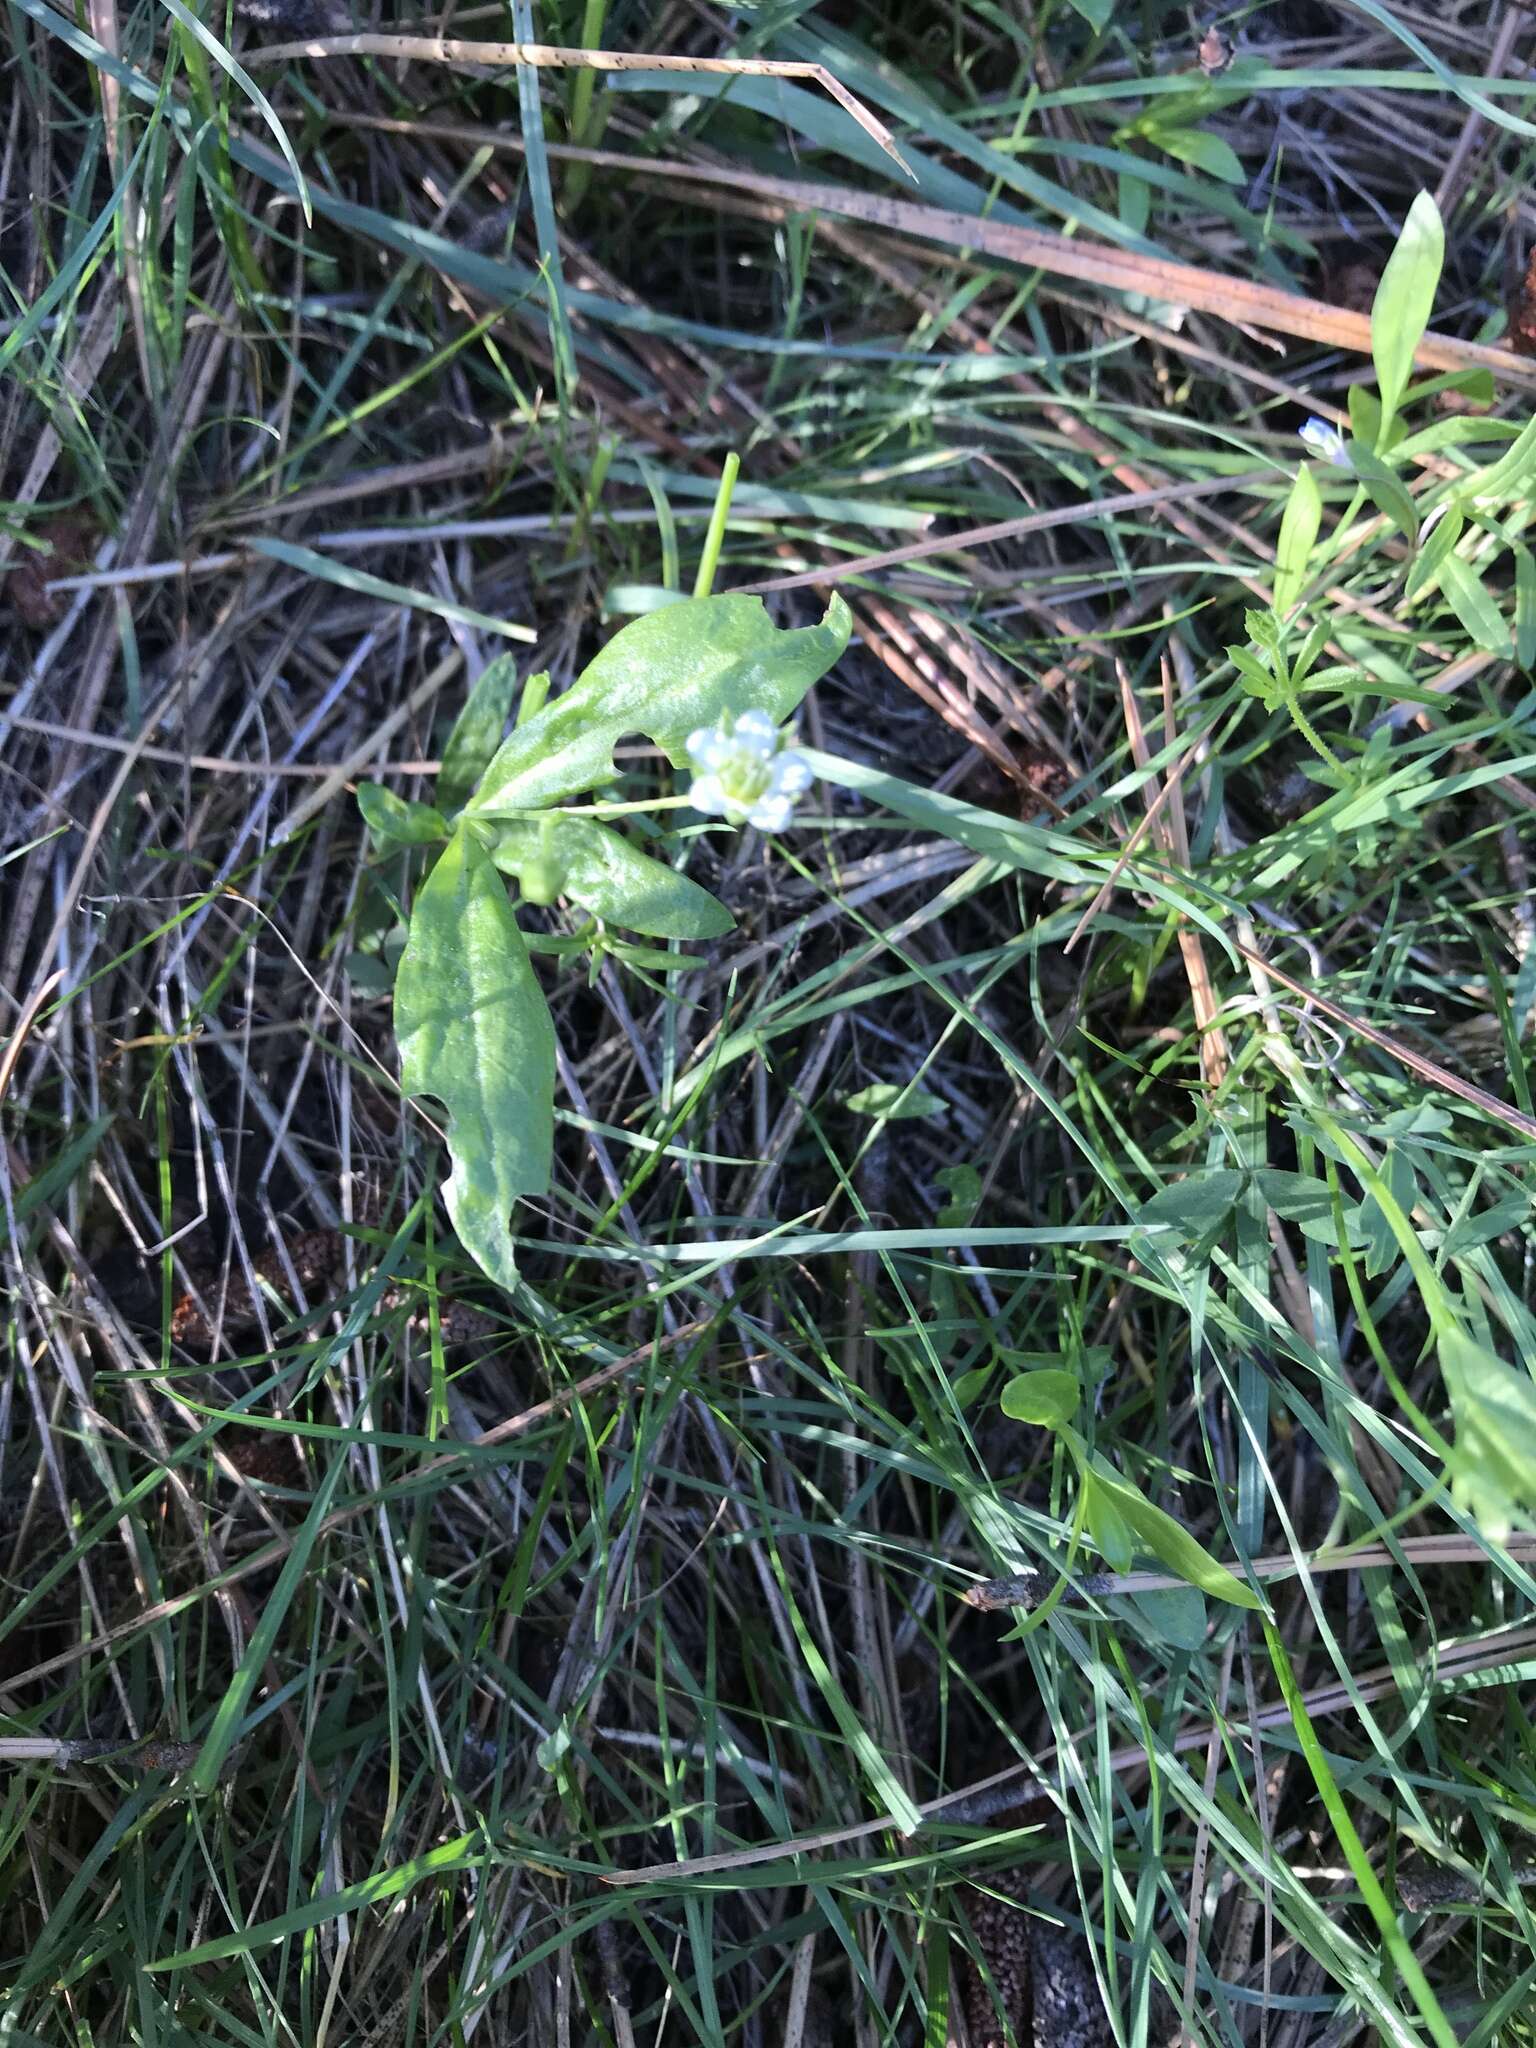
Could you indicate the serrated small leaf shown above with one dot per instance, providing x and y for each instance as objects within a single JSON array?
[
  {"x": 394, "y": 820},
  {"x": 1047, "y": 1398},
  {"x": 606, "y": 875},
  {"x": 1169, "y": 1541},
  {"x": 1199, "y": 1203},
  {"x": 1405, "y": 298},
  {"x": 474, "y": 1031},
  {"x": 665, "y": 674},
  {"x": 895, "y": 1100},
  {"x": 477, "y": 733}
]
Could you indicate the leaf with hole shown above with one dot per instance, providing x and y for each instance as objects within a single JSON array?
[{"x": 664, "y": 675}]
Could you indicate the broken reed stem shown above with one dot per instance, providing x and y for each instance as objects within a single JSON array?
[{"x": 553, "y": 57}]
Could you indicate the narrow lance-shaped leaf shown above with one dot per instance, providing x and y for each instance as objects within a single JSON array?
[
  {"x": 475, "y": 1031},
  {"x": 1404, "y": 299},
  {"x": 477, "y": 733},
  {"x": 1169, "y": 1541},
  {"x": 664, "y": 675},
  {"x": 1298, "y": 535}
]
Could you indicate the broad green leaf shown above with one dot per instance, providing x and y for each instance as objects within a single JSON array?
[
  {"x": 895, "y": 1100},
  {"x": 1197, "y": 1204},
  {"x": 1298, "y": 536},
  {"x": 1404, "y": 300},
  {"x": 474, "y": 1031},
  {"x": 477, "y": 733},
  {"x": 1471, "y": 600},
  {"x": 1109, "y": 1529},
  {"x": 599, "y": 869},
  {"x": 1169, "y": 1541},
  {"x": 970, "y": 1384},
  {"x": 1385, "y": 491},
  {"x": 1302, "y": 1200},
  {"x": 1493, "y": 1464},
  {"x": 1174, "y": 1614},
  {"x": 663, "y": 675},
  {"x": 396, "y": 821},
  {"x": 1095, "y": 12},
  {"x": 1205, "y": 151},
  {"x": 1047, "y": 1398},
  {"x": 1483, "y": 1226}
]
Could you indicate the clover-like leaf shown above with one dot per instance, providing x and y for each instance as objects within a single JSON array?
[
  {"x": 475, "y": 1031},
  {"x": 665, "y": 675},
  {"x": 599, "y": 869}
]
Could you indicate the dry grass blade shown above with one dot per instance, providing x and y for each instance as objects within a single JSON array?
[{"x": 551, "y": 57}]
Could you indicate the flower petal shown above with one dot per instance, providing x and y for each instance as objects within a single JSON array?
[
  {"x": 708, "y": 747},
  {"x": 792, "y": 775},
  {"x": 756, "y": 734},
  {"x": 771, "y": 813},
  {"x": 708, "y": 794}
]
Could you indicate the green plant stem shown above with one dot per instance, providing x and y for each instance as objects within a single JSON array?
[
  {"x": 1311, "y": 735},
  {"x": 709, "y": 561},
  {"x": 1380, "y": 1907}
]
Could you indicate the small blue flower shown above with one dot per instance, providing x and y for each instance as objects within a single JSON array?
[{"x": 1326, "y": 441}]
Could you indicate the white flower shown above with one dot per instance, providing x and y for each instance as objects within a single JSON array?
[
  {"x": 1326, "y": 441},
  {"x": 742, "y": 772}
]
